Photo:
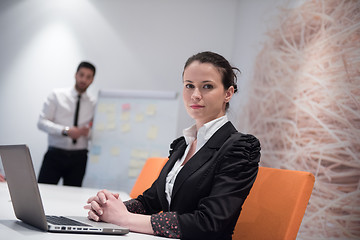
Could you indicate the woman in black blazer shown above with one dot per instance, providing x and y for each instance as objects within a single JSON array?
[{"x": 211, "y": 169}]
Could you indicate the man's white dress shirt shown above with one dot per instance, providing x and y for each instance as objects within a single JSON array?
[{"x": 58, "y": 112}]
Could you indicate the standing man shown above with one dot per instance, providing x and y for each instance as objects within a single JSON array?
[{"x": 67, "y": 116}]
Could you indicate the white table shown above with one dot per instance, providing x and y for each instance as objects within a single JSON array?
[{"x": 57, "y": 200}]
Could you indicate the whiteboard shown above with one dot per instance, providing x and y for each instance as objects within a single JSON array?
[{"x": 128, "y": 128}]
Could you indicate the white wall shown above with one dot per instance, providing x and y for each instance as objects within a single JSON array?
[{"x": 136, "y": 44}]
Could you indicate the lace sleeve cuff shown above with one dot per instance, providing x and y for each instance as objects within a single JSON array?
[
  {"x": 165, "y": 224},
  {"x": 135, "y": 206}
]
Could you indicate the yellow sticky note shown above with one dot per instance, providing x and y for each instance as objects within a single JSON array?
[
  {"x": 115, "y": 151},
  {"x": 111, "y": 126},
  {"x": 151, "y": 109},
  {"x": 100, "y": 126},
  {"x": 155, "y": 154},
  {"x": 125, "y": 116},
  {"x": 133, "y": 173},
  {"x": 111, "y": 108},
  {"x": 125, "y": 127},
  {"x": 111, "y": 117},
  {"x": 135, "y": 153},
  {"x": 102, "y": 107},
  {"x": 139, "y": 154},
  {"x": 94, "y": 158},
  {"x": 144, "y": 155},
  {"x": 139, "y": 117},
  {"x": 152, "y": 132},
  {"x": 138, "y": 164}
]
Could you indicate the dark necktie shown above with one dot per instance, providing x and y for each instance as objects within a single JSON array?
[{"x": 76, "y": 114}]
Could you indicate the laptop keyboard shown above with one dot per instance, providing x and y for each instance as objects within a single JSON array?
[{"x": 58, "y": 220}]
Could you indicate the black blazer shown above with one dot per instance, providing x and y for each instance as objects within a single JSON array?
[{"x": 211, "y": 187}]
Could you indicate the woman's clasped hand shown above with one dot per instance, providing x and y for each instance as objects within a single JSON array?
[{"x": 107, "y": 207}]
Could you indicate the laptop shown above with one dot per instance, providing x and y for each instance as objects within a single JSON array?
[{"x": 26, "y": 199}]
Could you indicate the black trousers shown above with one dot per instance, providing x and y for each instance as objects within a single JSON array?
[{"x": 59, "y": 163}]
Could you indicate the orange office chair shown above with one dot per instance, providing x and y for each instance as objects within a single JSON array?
[
  {"x": 275, "y": 206},
  {"x": 148, "y": 175}
]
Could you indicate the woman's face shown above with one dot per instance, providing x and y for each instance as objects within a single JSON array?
[{"x": 203, "y": 93}]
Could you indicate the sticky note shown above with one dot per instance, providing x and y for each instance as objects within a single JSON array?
[
  {"x": 94, "y": 159},
  {"x": 155, "y": 154},
  {"x": 102, "y": 107},
  {"x": 134, "y": 163},
  {"x": 95, "y": 150},
  {"x": 115, "y": 151},
  {"x": 139, "y": 154},
  {"x": 126, "y": 107},
  {"x": 111, "y": 108},
  {"x": 100, "y": 126},
  {"x": 125, "y": 127},
  {"x": 151, "y": 109},
  {"x": 152, "y": 132},
  {"x": 111, "y": 117},
  {"x": 139, "y": 117},
  {"x": 133, "y": 173},
  {"x": 111, "y": 126},
  {"x": 125, "y": 116}
]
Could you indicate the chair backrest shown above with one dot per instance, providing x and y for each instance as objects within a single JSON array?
[
  {"x": 275, "y": 206},
  {"x": 148, "y": 175}
]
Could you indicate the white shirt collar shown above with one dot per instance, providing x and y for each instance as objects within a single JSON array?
[
  {"x": 75, "y": 93},
  {"x": 190, "y": 134},
  {"x": 205, "y": 132}
]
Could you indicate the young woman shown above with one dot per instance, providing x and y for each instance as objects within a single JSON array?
[{"x": 211, "y": 169}]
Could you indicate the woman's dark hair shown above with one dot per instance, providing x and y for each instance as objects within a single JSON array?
[
  {"x": 227, "y": 72},
  {"x": 86, "y": 65}
]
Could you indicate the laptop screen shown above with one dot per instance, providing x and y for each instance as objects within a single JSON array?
[{"x": 22, "y": 185}]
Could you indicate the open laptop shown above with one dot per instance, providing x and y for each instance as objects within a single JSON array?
[{"x": 26, "y": 199}]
